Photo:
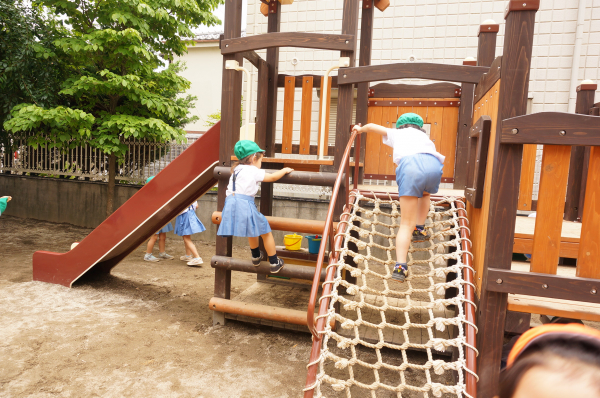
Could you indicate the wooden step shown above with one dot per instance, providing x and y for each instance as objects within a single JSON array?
[{"x": 288, "y": 271}]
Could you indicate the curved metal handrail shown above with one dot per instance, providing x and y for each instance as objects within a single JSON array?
[{"x": 327, "y": 234}]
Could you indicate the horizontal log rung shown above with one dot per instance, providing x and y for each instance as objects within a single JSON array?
[
  {"x": 288, "y": 271},
  {"x": 288, "y": 224},
  {"x": 296, "y": 177},
  {"x": 259, "y": 311}
]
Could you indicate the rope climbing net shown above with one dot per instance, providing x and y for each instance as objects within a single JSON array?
[{"x": 376, "y": 313}]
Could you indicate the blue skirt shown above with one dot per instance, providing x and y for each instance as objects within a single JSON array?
[
  {"x": 240, "y": 217},
  {"x": 418, "y": 173},
  {"x": 165, "y": 229},
  {"x": 188, "y": 223}
]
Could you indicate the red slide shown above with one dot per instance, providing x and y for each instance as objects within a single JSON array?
[{"x": 179, "y": 184}]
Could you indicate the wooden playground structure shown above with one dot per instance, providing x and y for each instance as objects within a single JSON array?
[{"x": 476, "y": 114}]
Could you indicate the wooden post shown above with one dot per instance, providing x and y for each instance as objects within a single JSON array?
[
  {"x": 486, "y": 48},
  {"x": 345, "y": 99},
  {"x": 231, "y": 102},
  {"x": 576, "y": 185},
  {"x": 465, "y": 118},
  {"x": 362, "y": 101},
  {"x": 503, "y": 195}
]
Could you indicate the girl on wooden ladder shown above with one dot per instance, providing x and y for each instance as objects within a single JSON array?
[
  {"x": 240, "y": 216},
  {"x": 418, "y": 175}
]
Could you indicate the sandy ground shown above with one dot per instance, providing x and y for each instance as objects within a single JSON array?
[{"x": 143, "y": 331}]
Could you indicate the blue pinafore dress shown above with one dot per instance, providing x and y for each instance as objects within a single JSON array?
[
  {"x": 240, "y": 216},
  {"x": 165, "y": 229},
  {"x": 188, "y": 223}
]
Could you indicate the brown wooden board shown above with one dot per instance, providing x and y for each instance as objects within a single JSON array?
[
  {"x": 366, "y": 41},
  {"x": 589, "y": 245},
  {"x": 441, "y": 103},
  {"x": 521, "y": 5},
  {"x": 527, "y": 175},
  {"x": 373, "y": 143},
  {"x": 252, "y": 57},
  {"x": 548, "y": 224},
  {"x": 288, "y": 39},
  {"x": 543, "y": 285},
  {"x": 552, "y": 128},
  {"x": 262, "y": 104},
  {"x": 489, "y": 79},
  {"x": 317, "y": 80},
  {"x": 288, "y": 116},
  {"x": 525, "y": 245},
  {"x": 417, "y": 70},
  {"x": 465, "y": 117},
  {"x": 435, "y": 90},
  {"x": 448, "y": 140},
  {"x": 554, "y": 307},
  {"x": 478, "y": 158},
  {"x": 295, "y": 177},
  {"x": 305, "y": 121}
]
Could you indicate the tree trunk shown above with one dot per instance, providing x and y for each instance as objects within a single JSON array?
[{"x": 112, "y": 171}]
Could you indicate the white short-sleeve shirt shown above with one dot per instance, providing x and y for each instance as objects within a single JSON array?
[
  {"x": 410, "y": 141},
  {"x": 248, "y": 180}
]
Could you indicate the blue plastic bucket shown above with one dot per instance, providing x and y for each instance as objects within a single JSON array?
[{"x": 314, "y": 243}]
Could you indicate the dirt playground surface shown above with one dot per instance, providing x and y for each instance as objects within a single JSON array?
[{"x": 143, "y": 331}]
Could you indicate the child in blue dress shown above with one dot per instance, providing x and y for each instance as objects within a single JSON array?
[
  {"x": 187, "y": 223},
  {"x": 240, "y": 216},
  {"x": 418, "y": 175},
  {"x": 162, "y": 239},
  {"x": 4, "y": 202}
]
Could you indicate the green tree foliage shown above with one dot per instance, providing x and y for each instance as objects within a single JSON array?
[
  {"x": 116, "y": 87},
  {"x": 32, "y": 68}
]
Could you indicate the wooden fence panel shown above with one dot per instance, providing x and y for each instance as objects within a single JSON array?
[
  {"x": 327, "y": 108},
  {"x": 305, "y": 121},
  {"x": 589, "y": 243},
  {"x": 288, "y": 115}
]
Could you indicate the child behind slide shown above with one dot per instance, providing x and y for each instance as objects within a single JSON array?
[
  {"x": 240, "y": 216},
  {"x": 553, "y": 361},
  {"x": 4, "y": 202},
  {"x": 418, "y": 174},
  {"x": 187, "y": 223},
  {"x": 162, "y": 239}
]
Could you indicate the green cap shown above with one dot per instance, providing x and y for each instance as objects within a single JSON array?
[
  {"x": 245, "y": 148},
  {"x": 149, "y": 179},
  {"x": 409, "y": 118}
]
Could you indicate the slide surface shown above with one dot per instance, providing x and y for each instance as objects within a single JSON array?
[{"x": 179, "y": 184}]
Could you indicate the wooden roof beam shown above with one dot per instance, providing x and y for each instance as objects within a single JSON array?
[{"x": 288, "y": 39}]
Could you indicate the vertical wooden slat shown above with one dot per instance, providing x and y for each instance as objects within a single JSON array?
[
  {"x": 262, "y": 104},
  {"x": 373, "y": 142},
  {"x": 305, "y": 121},
  {"x": 327, "y": 110},
  {"x": 288, "y": 115},
  {"x": 435, "y": 117},
  {"x": 589, "y": 245},
  {"x": 448, "y": 145},
  {"x": 527, "y": 174},
  {"x": 486, "y": 48},
  {"x": 550, "y": 206},
  {"x": 388, "y": 119}
]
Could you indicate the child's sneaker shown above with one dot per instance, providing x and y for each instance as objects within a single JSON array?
[
  {"x": 256, "y": 260},
  {"x": 400, "y": 273},
  {"x": 420, "y": 235},
  {"x": 165, "y": 256},
  {"x": 150, "y": 257},
  {"x": 186, "y": 258},
  {"x": 275, "y": 268},
  {"x": 195, "y": 261}
]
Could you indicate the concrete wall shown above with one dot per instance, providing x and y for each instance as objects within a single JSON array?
[{"x": 83, "y": 203}]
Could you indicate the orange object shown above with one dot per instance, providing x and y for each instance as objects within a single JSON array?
[
  {"x": 264, "y": 9},
  {"x": 548, "y": 332}
]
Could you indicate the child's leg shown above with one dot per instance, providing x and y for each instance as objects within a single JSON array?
[
  {"x": 269, "y": 243},
  {"x": 423, "y": 208},
  {"x": 189, "y": 246},
  {"x": 253, "y": 242},
  {"x": 151, "y": 243},
  {"x": 408, "y": 221},
  {"x": 162, "y": 239}
]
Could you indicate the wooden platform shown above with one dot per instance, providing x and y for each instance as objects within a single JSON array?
[
  {"x": 525, "y": 227},
  {"x": 550, "y": 306},
  {"x": 416, "y": 335}
]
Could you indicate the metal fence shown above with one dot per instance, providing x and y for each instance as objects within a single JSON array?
[{"x": 143, "y": 159}]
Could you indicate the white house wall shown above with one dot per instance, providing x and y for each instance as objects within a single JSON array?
[{"x": 204, "y": 70}]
